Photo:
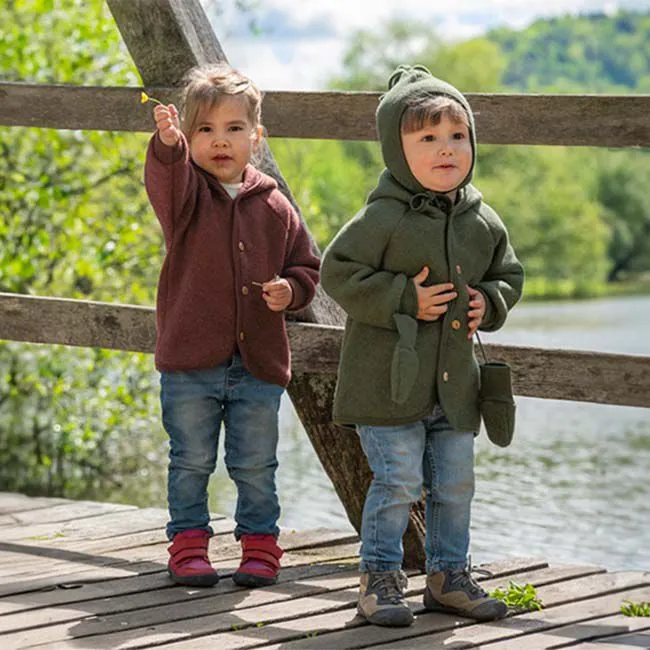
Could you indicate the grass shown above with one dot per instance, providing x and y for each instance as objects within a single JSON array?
[
  {"x": 628, "y": 608},
  {"x": 519, "y": 597}
]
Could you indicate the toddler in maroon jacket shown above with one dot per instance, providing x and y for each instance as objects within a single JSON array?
[{"x": 237, "y": 256}]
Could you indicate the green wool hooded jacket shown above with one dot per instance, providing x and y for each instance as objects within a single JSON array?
[{"x": 393, "y": 367}]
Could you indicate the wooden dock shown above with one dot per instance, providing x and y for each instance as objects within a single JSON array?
[{"x": 79, "y": 574}]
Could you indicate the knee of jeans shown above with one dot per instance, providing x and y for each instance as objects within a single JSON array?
[
  {"x": 459, "y": 490},
  {"x": 197, "y": 459},
  {"x": 403, "y": 490},
  {"x": 252, "y": 468}
]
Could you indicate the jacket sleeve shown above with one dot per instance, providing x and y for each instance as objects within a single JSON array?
[
  {"x": 352, "y": 273},
  {"x": 170, "y": 181},
  {"x": 301, "y": 263},
  {"x": 503, "y": 283}
]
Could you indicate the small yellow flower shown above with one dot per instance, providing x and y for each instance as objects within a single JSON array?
[{"x": 144, "y": 98}]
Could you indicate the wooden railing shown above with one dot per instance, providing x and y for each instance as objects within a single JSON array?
[
  {"x": 552, "y": 374},
  {"x": 571, "y": 120}
]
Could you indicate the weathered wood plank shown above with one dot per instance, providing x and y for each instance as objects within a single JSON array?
[
  {"x": 337, "y": 591},
  {"x": 551, "y": 374},
  {"x": 639, "y": 640},
  {"x": 11, "y": 502},
  {"x": 108, "y": 524},
  {"x": 586, "y": 630},
  {"x": 614, "y": 120},
  {"x": 62, "y": 512}
]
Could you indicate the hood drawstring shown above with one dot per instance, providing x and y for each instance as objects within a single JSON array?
[{"x": 420, "y": 202}]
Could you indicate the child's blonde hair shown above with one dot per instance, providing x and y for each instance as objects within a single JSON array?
[
  {"x": 206, "y": 86},
  {"x": 429, "y": 110}
]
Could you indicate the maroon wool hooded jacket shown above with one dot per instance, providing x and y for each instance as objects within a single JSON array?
[{"x": 207, "y": 306}]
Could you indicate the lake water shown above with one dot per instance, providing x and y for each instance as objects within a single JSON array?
[{"x": 573, "y": 486}]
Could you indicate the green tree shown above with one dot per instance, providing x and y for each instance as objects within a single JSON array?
[
  {"x": 74, "y": 222},
  {"x": 621, "y": 189}
]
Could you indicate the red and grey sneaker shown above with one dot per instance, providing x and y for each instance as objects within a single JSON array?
[
  {"x": 260, "y": 564},
  {"x": 188, "y": 562}
]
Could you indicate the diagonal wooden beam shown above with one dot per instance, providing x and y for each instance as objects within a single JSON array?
[{"x": 166, "y": 38}]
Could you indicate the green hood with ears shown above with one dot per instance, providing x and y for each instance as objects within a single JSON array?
[{"x": 404, "y": 85}]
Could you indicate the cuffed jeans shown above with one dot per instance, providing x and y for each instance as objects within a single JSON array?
[
  {"x": 194, "y": 405},
  {"x": 430, "y": 454}
]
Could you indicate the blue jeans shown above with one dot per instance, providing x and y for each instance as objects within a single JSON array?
[
  {"x": 403, "y": 459},
  {"x": 194, "y": 405}
]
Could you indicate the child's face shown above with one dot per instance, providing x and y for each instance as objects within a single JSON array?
[
  {"x": 440, "y": 156},
  {"x": 224, "y": 140}
]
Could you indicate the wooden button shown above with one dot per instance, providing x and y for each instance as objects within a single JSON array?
[
  {"x": 241, "y": 246},
  {"x": 455, "y": 324},
  {"x": 445, "y": 376},
  {"x": 241, "y": 336},
  {"x": 459, "y": 269},
  {"x": 244, "y": 290}
]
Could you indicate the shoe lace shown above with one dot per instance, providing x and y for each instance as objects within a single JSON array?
[
  {"x": 390, "y": 585},
  {"x": 463, "y": 579}
]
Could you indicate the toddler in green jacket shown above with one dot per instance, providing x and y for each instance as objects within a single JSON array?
[{"x": 421, "y": 267}]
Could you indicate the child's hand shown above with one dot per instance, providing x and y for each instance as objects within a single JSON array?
[
  {"x": 476, "y": 310},
  {"x": 432, "y": 300},
  {"x": 277, "y": 294},
  {"x": 167, "y": 123}
]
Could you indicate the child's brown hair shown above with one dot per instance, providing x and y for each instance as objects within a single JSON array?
[
  {"x": 206, "y": 86},
  {"x": 429, "y": 110}
]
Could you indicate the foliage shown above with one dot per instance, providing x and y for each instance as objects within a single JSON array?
[
  {"x": 629, "y": 608},
  {"x": 621, "y": 189},
  {"x": 74, "y": 223},
  {"x": 596, "y": 52},
  {"x": 519, "y": 597},
  {"x": 334, "y": 188}
]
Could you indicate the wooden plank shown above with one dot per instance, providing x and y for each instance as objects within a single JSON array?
[
  {"x": 68, "y": 511},
  {"x": 11, "y": 502},
  {"x": 550, "y": 374},
  {"x": 575, "y": 633},
  {"x": 635, "y": 641},
  {"x": 108, "y": 524},
  {"x": 614, "y": 120},
  {"x": 166, "y": 624}
]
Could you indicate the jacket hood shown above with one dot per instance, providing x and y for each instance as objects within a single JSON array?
[{"x": 405, "y": 84}]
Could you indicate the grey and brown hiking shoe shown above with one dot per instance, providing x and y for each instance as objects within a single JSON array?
[
  {"x": 381, "y": 598},
  {"x": 456, "y": 592}
]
